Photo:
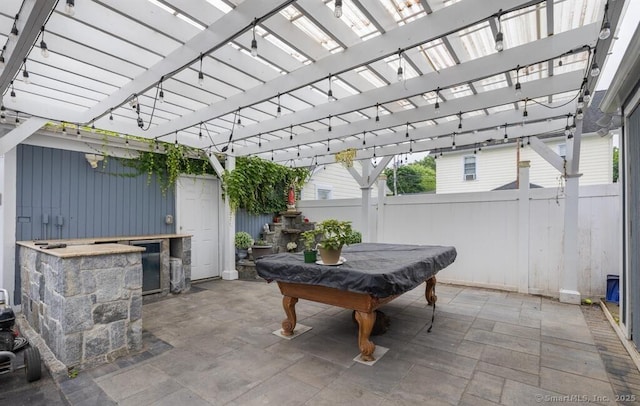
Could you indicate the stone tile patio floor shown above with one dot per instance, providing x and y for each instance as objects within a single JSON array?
[{"x": 215, "y": 345}]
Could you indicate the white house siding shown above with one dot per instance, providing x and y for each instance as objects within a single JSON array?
[
  {"x": 497, "y": 166},
  {"x": 338, "y": 179}
]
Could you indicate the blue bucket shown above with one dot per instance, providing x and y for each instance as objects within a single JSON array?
[{"x": 613, "y": 288}]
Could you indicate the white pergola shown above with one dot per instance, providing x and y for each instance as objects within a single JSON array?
[{"x": 109, "y": 62}]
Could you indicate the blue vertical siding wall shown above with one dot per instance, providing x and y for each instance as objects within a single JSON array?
[
  {"x": 252, "y": 223},
  {"x": 98, "y": 202}
]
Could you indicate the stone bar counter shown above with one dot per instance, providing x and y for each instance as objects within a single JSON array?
[{"x": 84, "y": 300}]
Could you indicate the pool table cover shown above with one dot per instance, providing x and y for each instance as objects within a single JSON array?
[{"x": 377, "y": 269}]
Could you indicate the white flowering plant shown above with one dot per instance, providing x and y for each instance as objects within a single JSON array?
[{"x": 291, "y": 246}]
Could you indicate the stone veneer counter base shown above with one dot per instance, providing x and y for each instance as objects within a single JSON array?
[{"x": 85, "y": 301}]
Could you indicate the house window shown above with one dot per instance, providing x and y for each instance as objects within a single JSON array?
[
  {"x": 562, "y": 150},
  {"x": 323, "y": 192},
  {"x": 469, "y": 168}
]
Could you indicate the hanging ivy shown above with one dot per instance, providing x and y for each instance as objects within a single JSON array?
[
  {"x": 260, "y": 186},
  {"x": 176, "y": 160}
]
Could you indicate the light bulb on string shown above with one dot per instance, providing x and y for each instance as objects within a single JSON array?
[
  {"x": 518, "y": 85},
  {"x": 13, "y": 34},
  {"x": 44, "y": 50},
  {"x": 377, "y": 112},
  {"x": 407, "y": 131},
  {"x": 70, "y": 7},
  {"x": 254, "y": 43},
  {"x": 364, "y": 140},
  {"x": 3, "y": 117},
  {"x": 25, "y": 73},
  {"x": 499, "y": 36},
  {"x": 279, "y": 109},
  {"x": 337, "y": 10},
  {"x": 200, "y": 73},
  {"x": 453, "y": 141},
  {"x": 13, "y": 92},
  {"x": 437, "y": 105},
  {"x": 605, "y": 31},
  {"x": 506, "y": 137},
  {"x": 330, "y": 96},
  {"x": 400, "y": 69}
]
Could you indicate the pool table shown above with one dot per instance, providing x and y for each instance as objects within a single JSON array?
[{"x": 371, "y": 275}]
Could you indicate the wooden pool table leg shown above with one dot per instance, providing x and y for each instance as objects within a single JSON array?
[
  {"x": 288, "y": 324},
  {"x": 365, "y": 323},
  {"x": 430, "y": 291}
]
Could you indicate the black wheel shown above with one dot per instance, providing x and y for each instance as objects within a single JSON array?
[{"x": 32, "y": 364}]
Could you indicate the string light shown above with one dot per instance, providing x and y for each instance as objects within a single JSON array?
[
  {"x": 161, "y": 92},
  {"x": 587, "y": 95},
  {"x": 70, "y": 7},
  {"x": 453, "y": 141},
  {"x": 259, "y": 140},
  {"x": 13, "y": 35},
  {"x": 111, "y": 114},
  {"x": 2, "y": 61},
  {"x": 595, "y": 69},
  {"x": 25, "y": 72},
  {"x": 518, "y": 85},
  {"x": 437, "y": 106},
  {"x": 328, "y": 147},
  {"x": 3, "y": 117},
  {"x": 200, "y": 74},
  {"x": 279, "y": 110},
  {"x": 579, "y": 114},
  {"x": 329, "y": 123},
  {"x": 13, "y": 92},
  {"x": 400, "y": 70},
  {"x": 567, "y": 129},
  {"x": 78, "y": 135},
  {"x": 506, "y": 138},
  {"x": 44, "y": 50},
  {"x": 364, "y": 133},
  {"x": 17, "y": 118},
  {"x": 337, "y": 11},
  {"x": 377, "y": 112},
  {"x": 291, "y": 133},
  {"x": 254, "y": 43},
  {"x": 239, "y": 121},
  {"x": 499, "y": 35},
  {"x": 330, "y": 96},
  {"x": 406, "y": 134},
  {"x": 176, "y": 141},
  {"x": 605, "y": 31},
  {"x": 460, "y": 121},
  {"x": 200, "y": 131}
]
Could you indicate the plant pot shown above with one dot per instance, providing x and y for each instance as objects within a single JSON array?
[
  {"x": 242, "y": 254},
  {"x": 258, "y": 251},
  {"x": 330, "y": 256},
  {"x": 310, "y": 257}
]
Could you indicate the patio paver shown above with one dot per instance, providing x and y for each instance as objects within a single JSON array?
[{"x": 214, "y": 346}]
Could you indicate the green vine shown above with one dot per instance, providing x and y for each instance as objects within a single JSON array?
[
  {"x": 167, "y": 167},
  {"x": 260, "y": 186}
]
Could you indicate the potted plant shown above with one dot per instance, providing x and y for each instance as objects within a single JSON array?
[
  {"x": 261, "y": 248},
  {"x": 333, "y": 235},
  {"x": 243, "y": 241},
  {"x": 309, "y": 240}
]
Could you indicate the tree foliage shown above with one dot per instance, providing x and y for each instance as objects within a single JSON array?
[
  {"x": 616, "y": 153},
  {"x": 416, "y": 177}
]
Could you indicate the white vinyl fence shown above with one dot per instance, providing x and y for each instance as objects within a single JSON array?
[{"x": 484, "y": 229}]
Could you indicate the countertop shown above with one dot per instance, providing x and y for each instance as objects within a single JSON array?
[
  {"x": 81, "y": 247},
  {"x": 83, "y": 250}
]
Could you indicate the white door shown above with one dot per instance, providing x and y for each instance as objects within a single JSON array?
[{"x": 197, "y": 214}]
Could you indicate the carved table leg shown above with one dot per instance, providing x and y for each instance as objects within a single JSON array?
[
  {"x": 365, "y": 323},
  {"x": 430, "y": 291},
  {"x": 288, "y": 324}
]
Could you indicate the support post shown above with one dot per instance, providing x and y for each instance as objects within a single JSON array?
[
  {"x": 382, "y": 184},
  {"x": 229, "y": 271},
  {"x": 569, "y": 283},
  {"x": 523, "y": 226},
  {"x": 366, "y": 202},
  {"x": 8, "y": 169}
]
